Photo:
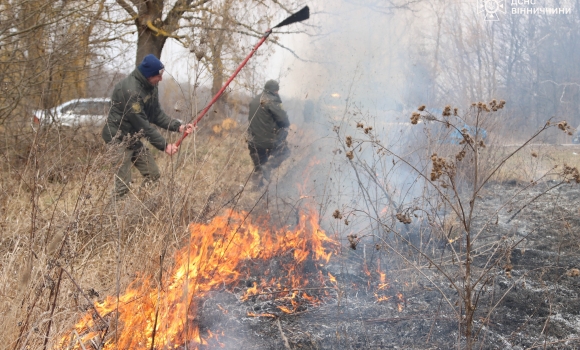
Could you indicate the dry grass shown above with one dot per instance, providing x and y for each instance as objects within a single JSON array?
[
  {"x": 536, "y": 160},
  {"x": 530, "y": 163},
  {"x": 57, "y": 212},
  {"x": 66, "y": 243}
]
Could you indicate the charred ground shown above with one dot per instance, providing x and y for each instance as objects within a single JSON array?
[{"x": 530, "y": 301}]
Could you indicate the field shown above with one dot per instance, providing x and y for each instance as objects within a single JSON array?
[{"x": 68, "y": 246}]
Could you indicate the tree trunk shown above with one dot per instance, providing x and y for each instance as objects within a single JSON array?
[
  {"x": 217, "y": 83},
  {"x": 148, "y": 42},
  {"x": 218, "y": 75}
]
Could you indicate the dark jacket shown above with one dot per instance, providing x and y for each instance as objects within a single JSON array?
[
  {"x": 134, "y": 108},
  {"x": 267, "y": 120}
]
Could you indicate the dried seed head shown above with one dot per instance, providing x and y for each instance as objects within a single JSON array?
[
  {"x": 337, "y": 214},
  {"x": 421, "y": 108},
  {"x": 350, "y": 155},
  {"x": 353, "y": 240},
  {"x": 441, "y": 166},
  {"x": 360, "y": 125},
  {"x": 447, "y": 111},
  {"x": 349, "y": 141},
  {"x": 404, "y": 218},
  {"x": 199, "y": 54},
  {"x": 563, "y": 125},
  {"x": 415, "y": 118},
  {"x": 466, "y": 137},
  {"x": 534, "y": 154},
  {"x": 571, "y": 173}
]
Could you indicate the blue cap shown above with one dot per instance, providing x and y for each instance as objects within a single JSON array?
[{"x": 150, "y": 66}]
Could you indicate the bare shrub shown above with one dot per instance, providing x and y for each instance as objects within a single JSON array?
[{"x": 431, "y": 191}]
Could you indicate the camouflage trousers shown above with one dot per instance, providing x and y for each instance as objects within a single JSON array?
[{"x": 138, "y": 156}]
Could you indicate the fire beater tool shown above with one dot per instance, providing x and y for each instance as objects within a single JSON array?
[{"x": 299, "y": 16}]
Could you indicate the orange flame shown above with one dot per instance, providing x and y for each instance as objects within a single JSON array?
[
  {"x": 285, "y": 309},
  {"x": 400, "y": 304},
  {"x": 214, "y": 257},
  {"x": 381, "y": 298},
  {"x": 383, "y": 284},
  {"x": 383, "y": 279},
  {"x": 250, "y": 292},
  {"x": 332, "y": 278}
]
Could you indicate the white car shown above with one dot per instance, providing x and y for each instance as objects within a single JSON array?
[{"x": 79, "y": 112}]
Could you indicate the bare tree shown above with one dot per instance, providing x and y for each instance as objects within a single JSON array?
[
  {"x": 523, "y": 58},
  {"x": 46, "y": 50}
]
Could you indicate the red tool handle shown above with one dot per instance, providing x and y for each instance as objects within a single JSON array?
[{"x": 219, "y": 93}]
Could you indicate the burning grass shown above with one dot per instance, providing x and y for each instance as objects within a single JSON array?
[
  {"x": 82, "y": 271},
  {"x": 58, "y": 215},
  {"x": 221, "y": 254}
]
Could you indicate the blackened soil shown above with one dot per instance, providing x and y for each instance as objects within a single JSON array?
[{"x": 527, "y": 299}]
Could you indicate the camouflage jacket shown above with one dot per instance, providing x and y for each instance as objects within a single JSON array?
[
  {"x": 267, "y": 120},
  {"x": 134, "y": 108}
]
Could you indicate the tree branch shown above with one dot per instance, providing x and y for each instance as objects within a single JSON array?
[{"x": 128, "y": 8}]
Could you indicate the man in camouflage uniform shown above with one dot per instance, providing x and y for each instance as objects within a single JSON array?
[
  {"x": 134, "y": 109},
  {"x": 267, "y": 132}
]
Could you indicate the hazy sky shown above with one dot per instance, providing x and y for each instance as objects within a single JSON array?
[{"x": 347, "y": 41}]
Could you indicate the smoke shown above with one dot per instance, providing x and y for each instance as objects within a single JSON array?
[
  {"x": 369, "y": 64},
  {"x": 435, "y": 52},
  {"x": 356, "y": 80}
]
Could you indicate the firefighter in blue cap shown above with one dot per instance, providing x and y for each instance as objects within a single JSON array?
[{"x": 134, "y": 110}]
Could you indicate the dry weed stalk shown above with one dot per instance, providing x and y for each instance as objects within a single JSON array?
[
  {"x": 453, "y": 187},
  {"x": 78, "y": 239}
]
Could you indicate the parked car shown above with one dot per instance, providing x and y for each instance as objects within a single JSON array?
[{"x": 78, "y": 112}]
